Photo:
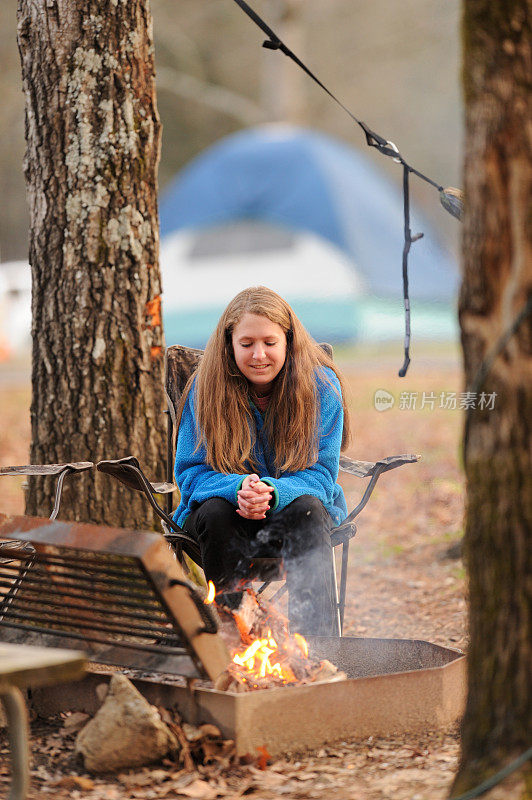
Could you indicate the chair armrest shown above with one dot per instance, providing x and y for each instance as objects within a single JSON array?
[
  {"x": 121, "y": 469},
  {"x": 47, "y": 469},
  {"x": 59, "y": 470},
  {"x": 375, "y": 471},
  {"x": 365, "y": 469},
  {"x": 10, "y": 549}
]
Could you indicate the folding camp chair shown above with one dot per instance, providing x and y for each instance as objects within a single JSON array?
[{"x": 181, "y": 362}]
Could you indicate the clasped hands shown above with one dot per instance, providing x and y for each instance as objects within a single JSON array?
[{"x": 254, "y": 498}]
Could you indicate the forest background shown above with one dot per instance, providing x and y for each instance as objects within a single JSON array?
[{"x": 395, "y": 65}]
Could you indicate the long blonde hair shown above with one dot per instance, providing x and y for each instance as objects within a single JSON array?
[{"x": 223, "y": 415}]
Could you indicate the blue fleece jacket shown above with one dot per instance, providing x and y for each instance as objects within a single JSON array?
[{"x": 198, "y": 482}]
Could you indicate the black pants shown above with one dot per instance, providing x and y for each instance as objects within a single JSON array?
[{"x": 300, "y": 534}]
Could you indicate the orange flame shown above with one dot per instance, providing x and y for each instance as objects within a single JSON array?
[
  {"x": 267, "y": 654},
  {"x": 256, "y": 660},
  {"x": 211, "y": 593},
  {"x": 301, "y": 643}
]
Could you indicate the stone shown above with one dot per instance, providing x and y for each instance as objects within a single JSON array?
[{"x": 125, "y": 732}]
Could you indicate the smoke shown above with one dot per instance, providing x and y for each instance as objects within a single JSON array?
[
  {"x": 301, "y": 535},
  {"x": 298, "y": 536}
]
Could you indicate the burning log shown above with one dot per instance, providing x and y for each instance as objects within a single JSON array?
[{"x": 265, "y": 654}]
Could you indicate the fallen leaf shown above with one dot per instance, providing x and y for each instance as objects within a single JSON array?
[
  {"x": 264, "y": 757},
  {"x": 42, "y": 773},
  {"x": 74, "y": 782},
  {"x": 219, "y": 751},
  {"x": 266, "y": 778},
  {"x": 306, "y": 776},
  {"x": 108, "y": 793},
  {"x": 192, "y": 733},
  {"x": 177, "y": 729},
  {"x": 159, "y": 775},
  {"x": 211, "y": 730},
  {"x": 199, "y": 790},
  {"x": 75, "y": 721},
  {"x": 145, "y": 778}
]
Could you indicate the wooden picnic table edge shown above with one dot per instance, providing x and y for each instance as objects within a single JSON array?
[{"x": 25, "y": 666}]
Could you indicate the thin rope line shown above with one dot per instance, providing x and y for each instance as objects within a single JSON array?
[
  {"x": 487, "y": 364},
  {"x": 373, "y": 139},
  {"x": 384, "y": 146},
  {"x": 489, "y": 783}
]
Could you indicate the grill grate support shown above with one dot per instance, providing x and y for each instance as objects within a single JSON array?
[{"x": 119, "y": 595}]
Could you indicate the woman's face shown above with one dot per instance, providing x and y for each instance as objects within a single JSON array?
[{"x": 259, "y": 346}]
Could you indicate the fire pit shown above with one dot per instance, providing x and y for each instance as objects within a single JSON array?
[{"x": 392, "y": 685}]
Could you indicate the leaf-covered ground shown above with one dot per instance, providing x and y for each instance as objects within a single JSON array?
[
  {"x": 402, "y": 768},
  {"x": 406, "y": 580}
]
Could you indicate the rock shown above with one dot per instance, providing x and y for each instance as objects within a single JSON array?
[{"x": 125, "y": 732}]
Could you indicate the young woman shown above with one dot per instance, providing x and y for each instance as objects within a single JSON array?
[{"x": 262, "y": 423}]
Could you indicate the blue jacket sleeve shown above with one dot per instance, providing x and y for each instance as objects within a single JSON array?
[
  {"x": 196, "y": 480},
  {"x": 319, "y": 479}
]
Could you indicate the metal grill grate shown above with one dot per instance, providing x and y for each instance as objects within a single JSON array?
[{"x": 119, "y": 595}]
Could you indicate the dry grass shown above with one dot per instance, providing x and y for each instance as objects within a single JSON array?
[{"x": 402, "y": 581}]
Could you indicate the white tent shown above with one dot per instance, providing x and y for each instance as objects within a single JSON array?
[
  {"x": 203, "y": 269},
  {"x": 15, "y": 307}
]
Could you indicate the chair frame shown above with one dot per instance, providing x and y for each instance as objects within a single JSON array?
[{"x": 59, "y": 470}]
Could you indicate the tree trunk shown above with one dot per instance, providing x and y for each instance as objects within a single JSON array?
[
  {"x": 93, "y": 140},
  {"x": 497, "y": 286},
  {"x": 284, "y": 85}
]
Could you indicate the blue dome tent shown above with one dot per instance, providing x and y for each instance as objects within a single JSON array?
[{"x": 306, "y": 181}]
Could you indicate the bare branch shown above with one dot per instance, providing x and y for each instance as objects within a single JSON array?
[{"x": 210, "y": 94}]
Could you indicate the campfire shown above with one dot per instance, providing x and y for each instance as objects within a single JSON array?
[{"x": 264, "y": 653}]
